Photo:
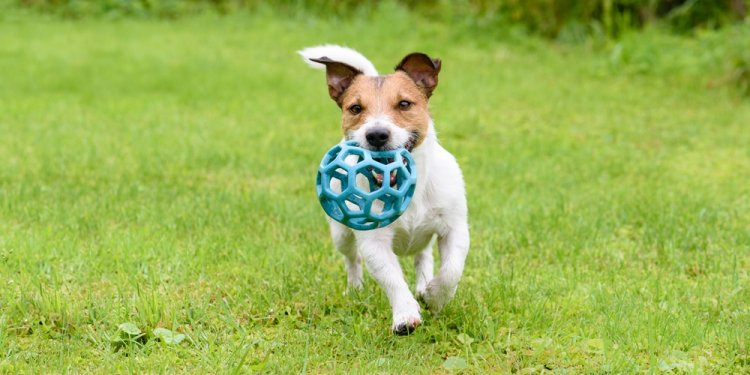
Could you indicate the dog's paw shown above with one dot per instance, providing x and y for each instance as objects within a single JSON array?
[
  {"x": 437, "y": 296},
  {"x": 420, "y": 296},
  {"x": 353, "y": 288},
  {"x": 420, "y": 291},
  {"x": 405, "y": 325}
]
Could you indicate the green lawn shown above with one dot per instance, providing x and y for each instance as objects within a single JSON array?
[{"x": 161, "y": 173}]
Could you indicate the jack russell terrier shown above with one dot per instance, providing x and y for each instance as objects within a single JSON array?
[{"x": 384, "y": 112}]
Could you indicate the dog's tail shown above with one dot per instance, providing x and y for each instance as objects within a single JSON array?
[{"x": 340, "y": 54}]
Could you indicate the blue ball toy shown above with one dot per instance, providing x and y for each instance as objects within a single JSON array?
[{"x": 365, "y": 189}]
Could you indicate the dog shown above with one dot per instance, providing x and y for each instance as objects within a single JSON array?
[{"x": 382, "y": 112}]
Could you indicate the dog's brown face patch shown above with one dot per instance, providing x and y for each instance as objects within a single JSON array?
[{"x": 395, "y": 95}]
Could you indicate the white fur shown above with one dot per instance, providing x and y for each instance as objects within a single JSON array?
[
  {"x": 437, "y": 212},
  {"x": 340, "y": 54}
]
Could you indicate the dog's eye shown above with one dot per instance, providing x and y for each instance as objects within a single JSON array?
[
  {"x": 355, "y": 109},
  {"x": 404, "y": 105}
]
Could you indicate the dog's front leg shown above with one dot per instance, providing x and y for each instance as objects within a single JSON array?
[
  {"x": 375, "y": 248},
  {"x": 453, "y": 246},
  {"x": 343, "y": 240}
]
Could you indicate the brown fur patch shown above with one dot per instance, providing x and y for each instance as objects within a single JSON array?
[{"x": 381, "y": 96}]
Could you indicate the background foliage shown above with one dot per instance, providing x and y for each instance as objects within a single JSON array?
[
  {"x": 561, "y": 20},
  {"x": 550, "y": 18}
]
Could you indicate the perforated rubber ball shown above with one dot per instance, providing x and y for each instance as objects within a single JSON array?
[{"x": 365, "y": 189}]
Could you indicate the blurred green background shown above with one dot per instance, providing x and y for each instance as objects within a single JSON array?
[
  {"x": 562, "y": 21},
  {"x": 550, "y": 18}
]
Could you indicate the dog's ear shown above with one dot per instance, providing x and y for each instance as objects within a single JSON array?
[
  {"x": 339, "y": 77},
  {"x": 422, "y": 69}
]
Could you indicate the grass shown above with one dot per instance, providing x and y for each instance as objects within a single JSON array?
[{"x": 160, "y": 173}]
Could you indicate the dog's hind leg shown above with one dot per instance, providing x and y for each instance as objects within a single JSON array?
[
  {"x": 423, "y": 265},
  {"x": 454, "y": 246},
  {"x": 343, "y": 240}
]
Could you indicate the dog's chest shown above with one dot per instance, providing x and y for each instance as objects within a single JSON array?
[
  {"x": 416, "y": 228},
  {"x": 411, "y": 242}
]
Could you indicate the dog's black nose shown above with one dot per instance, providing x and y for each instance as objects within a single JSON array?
[{"x": 377, "y": 137}]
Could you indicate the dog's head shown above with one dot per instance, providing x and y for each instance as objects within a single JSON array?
[{"x": 384, "y": 112}]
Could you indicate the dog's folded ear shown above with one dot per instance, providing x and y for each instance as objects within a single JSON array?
[
  {"x": 339, "y": 77},
  {"x": 422, "y": 69}
]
